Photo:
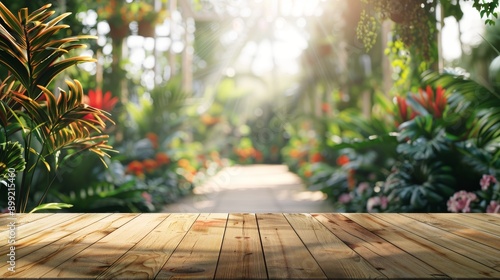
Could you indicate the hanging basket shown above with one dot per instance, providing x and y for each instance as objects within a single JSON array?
[
  {"x": 118, "y": 31},
  {"x": 146, "y": 28}
]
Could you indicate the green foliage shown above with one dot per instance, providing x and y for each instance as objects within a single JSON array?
[
  {"x": 474, "y": 102},
  {"x": 43, "y": 122},
  {"x": 105, "y": 196},
  {"x": 487, "y": 9},
  {"x": 419, "y": 186},
  {"x": 161, "y": 111},
  {"x": 11, "y": 156}
]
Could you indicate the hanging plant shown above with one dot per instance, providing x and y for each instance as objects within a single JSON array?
[
  {"x": 147, "y": 18},
  {"x": 415, "y": 22}
]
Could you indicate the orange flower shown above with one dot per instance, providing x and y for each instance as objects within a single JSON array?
[
  {"x": 184, "y": 163},
  {"x": 153, "y": 138},
  {"x": 316, "y": 157},
  {"x": 209, "y": 120},
  {"x": 295, "y": 153},
  {"x": 214, "y": 155},
  {"x": 149, "y": 165},
  {"x": 162, "y": 158},
  {"x": 244, "y": 153},
  {"x": 135, "y": 167},
  {"x": 308, "y": 173},
  {"x": 342, "y": 160}
]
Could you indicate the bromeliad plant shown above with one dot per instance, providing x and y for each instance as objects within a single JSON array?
[{"x": 49, "y": 127}]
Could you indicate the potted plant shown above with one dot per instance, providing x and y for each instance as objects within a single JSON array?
[
  {"x": 41, "y": 128},
  {"x": 147, "y": 18}
]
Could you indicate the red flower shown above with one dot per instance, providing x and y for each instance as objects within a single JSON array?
[
  {"x": 325, "y": 107},
  {"x": 316, "y": 157},
  {"x": 149, "y": 165},
  {"x": 100, "y": 101},
  {"x": 404, "y": 113},
  {"x": 162, "y": 158},
  {"x": 153, "y": 138},
  {"x": 434, "y": 104},
  {"x": 342, "y": 160},
  {"x": 258, "y": 155},
  {"x": 135, "y": 167}
]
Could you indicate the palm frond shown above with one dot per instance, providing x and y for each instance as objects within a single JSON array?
[
  {"x": 29, "y": 50},
  {"x": 11, "y": 158}
]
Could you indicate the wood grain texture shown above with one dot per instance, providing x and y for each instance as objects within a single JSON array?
[
  {"x": 150, "y": 254},
  {"x": 28, "y": 245},
  {"x": 241, "y": 253},
  {"x": 50, "y": 256},
  {"x": 472, "y": 221},
  {"x": 197, "y": 254},
  {"x": 255, "y": 246},
  {"x": 45, "y": 223},
  {"x": 336, "y": 259},
  {"x": 406, "y": 235},
  {"x": 490, "y": 217},
  {"x": 96, "y": 258},
  {"x": 389, "y": 259},
  {"x": 286, "y": 256},
  {"x": 20, "y": 219},
  {"x": 458, "y": 229}
]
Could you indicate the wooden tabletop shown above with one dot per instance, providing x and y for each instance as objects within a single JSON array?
[{"x": 251, "y": 246}]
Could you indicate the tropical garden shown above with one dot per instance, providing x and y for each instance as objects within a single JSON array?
[{"x": 126, "y": 106}]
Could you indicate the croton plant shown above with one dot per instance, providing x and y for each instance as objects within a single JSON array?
[{"x": 41, "y": 128}]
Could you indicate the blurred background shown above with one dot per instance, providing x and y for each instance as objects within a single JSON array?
[{"x": 320, "y": 86}]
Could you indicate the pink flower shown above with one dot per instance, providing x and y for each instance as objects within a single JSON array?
[
  {"x": 486, "y": 181},
  {"x": 147, "y": 197},
  {"x": 460, "y": 202},
  {"x": 362, "y": 187},
  {"x": 375, "y": 201},
  {"x": 345, "y": 198},
  {"x": 494, "y": 207}
]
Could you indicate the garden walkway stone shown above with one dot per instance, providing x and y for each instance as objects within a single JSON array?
[{"x": 253, "y": 189}]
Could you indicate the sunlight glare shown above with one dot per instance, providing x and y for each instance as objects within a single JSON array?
[{"x": 285, "y": 40}]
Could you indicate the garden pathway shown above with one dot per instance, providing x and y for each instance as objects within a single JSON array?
[{"x": 253, "y": 189}]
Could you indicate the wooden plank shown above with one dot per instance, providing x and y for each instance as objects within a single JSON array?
[
  {"x": 468, "y": 221},
  {"x": 25, "y": 230},
  {"x": 44, "y": 259},
  {"x": 384, "y": 256},
  {"x": 337, "y": 260},
  {"x": 469, "y": 249},
  {"x": 20, "y": 219},
  {"x": 40, "y": 239},
  {"x": 150, "y": 254},
  {"x": 241, "y": 254},
  {"x": 96, "y": 258},
  {"x": 445, "y": 260},
  {"x": 286, "y": 256},
  {"x": 197, "y": 254},
  {"x": 458, "y": 229},
  {"x": 489, "y": 218}
]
